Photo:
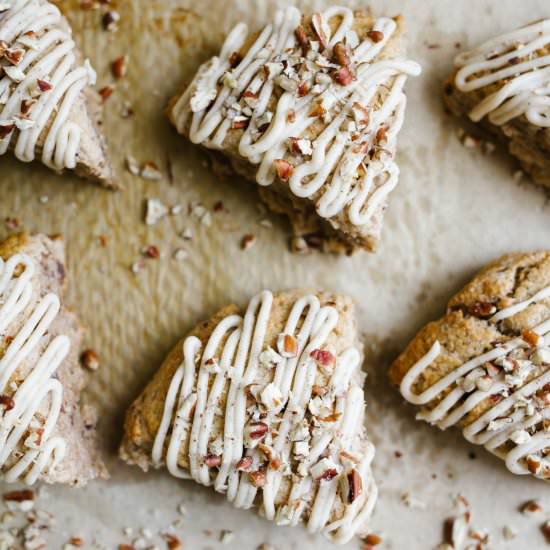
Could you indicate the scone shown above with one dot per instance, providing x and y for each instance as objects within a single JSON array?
[
  {"x": 485, "y": 366},
  {"x": 266, "y": 406},
  {"x": 44, "y": 433},
  {"x": 309, "y": 109},
  {"x": 48, "y": 111},
  {"x": 504, "y": 85}
]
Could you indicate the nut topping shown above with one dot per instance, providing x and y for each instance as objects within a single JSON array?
[
  {"x": 7, "y": 402},
  {"x": 6, "y": 129},
  {"x": 341, "y": 54},
  {"x": 323, "y": 357},
  {"x": 44, "y": 85},
  {"x": 14, "y": 56},
  {"x": 343, "y": 76},
  {"x": 258, "y": 430},
  {"x": 302, "y": 39},
  {"x": 287, "y": 345},
  {"x": 244, "y": 464},
  {"x": 284, "y": 169},
  {"x": 531, "y": 337},
  {"x": 355, "y": 485},
  {"x": 376, "y": 36},
  {"x": 258, "y": 478},
  {"x": 89, "y": 359},
  {"x": 119, "y": 66},
  {"x": 212, "y": 460}
]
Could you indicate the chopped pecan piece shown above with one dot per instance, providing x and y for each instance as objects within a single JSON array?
[
  {"x": 258, "y": 430},
  {"x": 302, "y": 39},
  {"x": 341, "y": 54},
  {"x": 355, "y": 485},
  {"x": 119, "y": 66},
  {"x": 44, "y": 85},
  {"x": 244, "y": 464},
  {"x": 89, "y": 359},
  {"x": 7, "y": 402},
  {"x": 343, "y": 76},
  {"x": 14, "y": 56},
  {"x": 257, "y": 478},
  {"x": 212, "y": 460},
  {"x": 19, "y": 496},
  {"x": 284, "y": 169},
  {"x": 482, "y": 309},
  {"x": 6, "y": 130},
  {"x": 376, "y": 36},
  {"x": 323, "y": 357}
]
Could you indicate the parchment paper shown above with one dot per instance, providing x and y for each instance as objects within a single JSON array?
[{"x": 455, "y": 210}]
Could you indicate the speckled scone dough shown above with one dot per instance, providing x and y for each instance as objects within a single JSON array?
[
  {"x": 48, "y": 111},
  {"x": 266, "y": 406},
  {"x": 45, "y": 433},
  {"x": 504, "y": 86},
  {"x": 309, "y": 109},
  {"x": 485, "y": 366}
]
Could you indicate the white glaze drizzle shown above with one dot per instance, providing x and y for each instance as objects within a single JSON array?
[
  {"x": 513, "y": 58},
  {"x": 331, "y": 174},
  {"x": 26, "y": 441},
  {"x": 193, "y": 405},
  {"x": 509, "y": 413},
  {"x": 51, "y": 58}
]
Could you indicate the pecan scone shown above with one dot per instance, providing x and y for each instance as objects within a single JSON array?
[
  {"x": 485, "y": 366},
  {"x": 504, "y": 85},
  {"x": 45, "y": 434},
  {"x": 309, "y": 109},
  {"x": 48, "y": 111},
  {"x": 266, "y": 406}
]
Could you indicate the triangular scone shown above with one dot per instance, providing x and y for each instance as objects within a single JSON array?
[
  {"x": 485, "y": 366},
  {"x": 504, "y": 85},
  {"x": 309, "y": 108},
  {"x": 48, "y": 111},
  {"x": 44, "y": 433},
  {"x": 266, "y": 406}
]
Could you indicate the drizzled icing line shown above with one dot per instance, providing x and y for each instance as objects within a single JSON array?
[
  {"x": 41, "y": 84},
  {"x": 350, "y": 164},
  {"x": 210, "y": 389},
  {"x": 29, "y": 412},
  {"x": 515, "y": 59},
  {"x": 512, "y": 419}
]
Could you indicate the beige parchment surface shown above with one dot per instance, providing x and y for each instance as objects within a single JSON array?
[{"x": 454, "y": 210}]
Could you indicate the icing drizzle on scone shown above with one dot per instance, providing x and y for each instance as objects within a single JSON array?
[
  {"x": 29, "y": 407},
  {"x": 246, "y": 417},
  {"x": 516, "y": 60},
  {"x": 321, "y": 115},
  {"x": 40, "y": 85},
  {"x": 515, "y": 377}
]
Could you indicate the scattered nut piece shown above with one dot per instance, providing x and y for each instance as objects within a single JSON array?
[
  {"x": 119, "y": 67},
  {"x": 248, "y": 241},
  {"x": 89, "y": 359}
]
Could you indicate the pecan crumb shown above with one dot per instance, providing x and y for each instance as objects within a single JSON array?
[
  {"x": 89, "y": 359},
  {"x": 119, "y": 66},
  {"x": 248, "y": 241},
  {"x": 376, "y": 36}
]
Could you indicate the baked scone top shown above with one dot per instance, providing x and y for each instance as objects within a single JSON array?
[
  {"x": 514, "y": 72},
  {"x": 42, "y": 81},
  {"x": 44, "y": 434},
  {"x": 315, "y": 102},
  {"x": 485, "y": 366},
  {"x": 268, "y": 408}
]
